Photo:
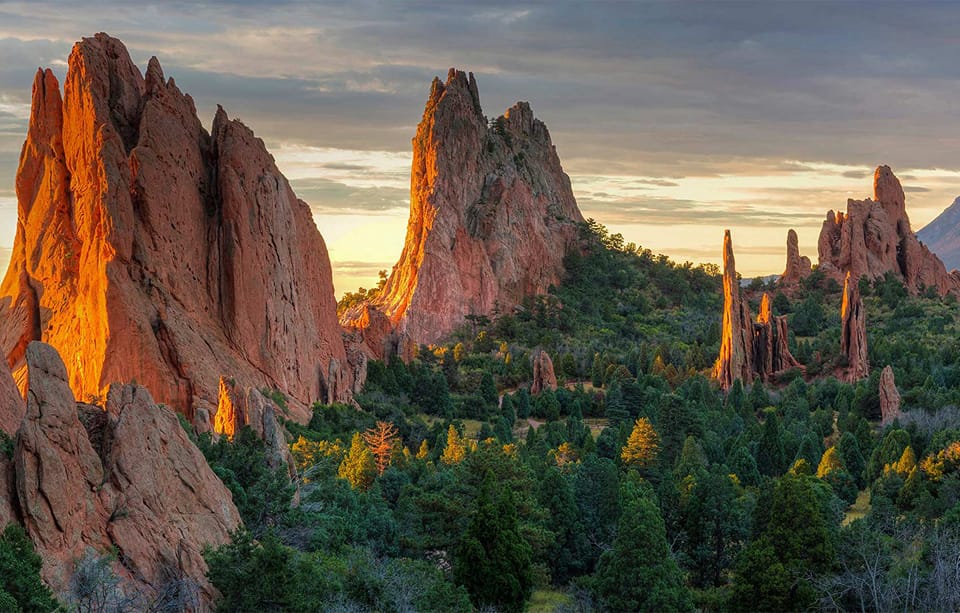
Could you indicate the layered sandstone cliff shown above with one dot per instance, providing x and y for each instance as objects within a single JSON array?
[
  {"x": 492, "y": 215},
  {"x": 749, "y": 350},
  {"x": 148, "y": 249},
  {"x": 125, "y": 476},
  {"x": 874, "y": 238}
]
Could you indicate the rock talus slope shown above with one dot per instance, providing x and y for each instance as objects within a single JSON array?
[
  {"x": 150, "y": 250},
  {"x": 492, "y": 215}
]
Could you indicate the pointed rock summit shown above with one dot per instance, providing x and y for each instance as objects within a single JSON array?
[
  {"x": 853, "y": 333},
  {"x": 874, "y": 237},
  {"x": 150, "y": 250},
  {"x": 544, "y": 377},
  {"x": 798, "y": 266},
  {"x": 748, "y": 350},
  {"x": 889, "y": 396},
  {"x": 492, "y": 215}
]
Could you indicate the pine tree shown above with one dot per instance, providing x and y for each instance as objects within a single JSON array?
[
  {"x": 639, "y": 574},
  {"x": 358, "y": 467},
  {"x": 642, "y": 446},
  {"x": 493, "y": 561},
  {"x": 380, "y": 439},
  {"x": 456, "y": 448}
]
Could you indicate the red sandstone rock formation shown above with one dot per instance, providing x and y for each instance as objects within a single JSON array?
[
  {"x": 748, "y": 350},
  {"x": 126, "y": 477},
  {"x": 12, "y": 406},
  {"x": 150, "y": 250},
  {"x": 771, "y": 351},
  {"x": 8, "y": 494},
  {"x": 798, "y": 266},
  {"x": 874, "y": 238},
  {"x": 492, "y": 215},
  {"x": 736, "y": 344},
  {"x": 239, "y": 407},
  {"x": 853, "y": 333},
  {"x": 889, "y": 396},
  {"x": 544, "y": 377}
]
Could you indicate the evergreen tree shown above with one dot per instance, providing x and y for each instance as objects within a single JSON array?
[
  {"x": 771, "y": 457},
  {"x": 639, "y": 574},
  {"x": 20, "y": 586},
  {"x": 853, "y": 460},
  {"x": 596, "y": 372},
  {"x": 493, "y": 561}
]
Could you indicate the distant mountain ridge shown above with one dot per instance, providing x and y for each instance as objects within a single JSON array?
[{"x": 942, "y": 235}]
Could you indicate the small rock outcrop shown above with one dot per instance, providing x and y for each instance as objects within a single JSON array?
[
  {"x": 771, "y": 352},
  {"x": 874, "y": 238},
  {"x": 853, "y": 333},
  {"x": 148, "y": 249},
  {"x": 492, "y": 215},
  {"x": 749, "y": 350},
  {"x": 246, "y": 406},
  {"x": 126, "y": 477},
  {"x": 798, "y": 266},
  {"x": 544, "y": 377},
  {"x": 889, "y": 396}
]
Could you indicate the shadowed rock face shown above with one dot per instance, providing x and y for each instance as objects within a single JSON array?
[
  {"x": 492, "y": 215},
  {"x": 853, "y": 333},
  {"x": 874, "y": 238},
  {"x": 748, "y": 350},
  {"x": 798, "y": 266},
  {"x": 544, "y": 377},
  {"x": 889, "y": 396},
  {"x": 126, "y": 477},
  {"x": 150, "y": 250}
]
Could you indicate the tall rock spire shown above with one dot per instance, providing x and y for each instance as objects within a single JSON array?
[
  {"x": 853, "y": 334},
  {"x": 736, "y": 343},
  {"x": 492, "y": 215},
  {"x": 749, "y": 350}
]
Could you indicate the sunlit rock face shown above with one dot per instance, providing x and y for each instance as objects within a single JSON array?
[
  {"x": 125, "y": 476},
  {"x": 874, "y": 237},
  {"x": 149, "y": 250},
  {"x": 853, "y": 333},
  {"x": 749, "y": 350},
  {"x": 492, "y": 215}
]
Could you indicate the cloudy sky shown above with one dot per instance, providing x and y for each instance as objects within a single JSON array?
[{"x": 674, "y": 120}]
